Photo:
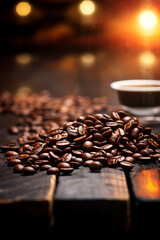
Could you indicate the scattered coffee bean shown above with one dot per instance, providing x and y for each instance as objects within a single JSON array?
[
  {"x": 66, "y": 171},
  {"x": 52, "y": 139},
  {"x": 18, "y": 168},
  {"x": 53, "y": 170},
  {"x": 28, "y": 170},
  {"x": 95, "y": 166}
]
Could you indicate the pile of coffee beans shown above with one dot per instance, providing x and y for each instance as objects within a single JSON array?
[{"x": 93, "y": 140}]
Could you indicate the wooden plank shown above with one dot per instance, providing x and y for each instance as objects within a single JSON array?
[
  {"x": 28, "y": 198},
  {"x": 145, "y": 187},
  {"x": 99, "y": 200}
]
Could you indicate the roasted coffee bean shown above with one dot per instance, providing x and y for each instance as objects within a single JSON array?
[
  {"x": 130, "y": 159},
  {"x": 18, "y": 168},
  {"x": 45, "y": 167},
  {"x": 87, "y": 163},
  {"x": 63, "y": 165},
  {"x": 62, "y": 144},
  {"x": 127, "y": 152},
  {"x": 14, "y": 130},
  {"x": 98, "y": 137},
  {"x": 11, "y": 153},
  {"x": 115, "y": 116},
  {"x": 77, "y": 153},
  {"x": 80, "y": 139},
  {"x": 95, "y": 166},
  {"x": 66, "y": 157},
  {"x": 28, "y": 170},
  {"x": 66, "y": 171},
  {"x": 86, "y": 156},
  {"x": 126, "y": 165},
  {"x": 75, "y": 164},
  {"x": 112, "y": 161},
  {"x": 112, "y": 140},
  {"x": 134, "y": 132},
  {"x": 44, "y": 155},
  {"x": 54, "y": 156},
  {"x": 14, "y": 161},
  {"x": 87, "y": 146},
  {"x": 53, "y": 170}
]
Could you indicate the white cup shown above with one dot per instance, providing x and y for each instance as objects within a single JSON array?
[{"x": 139, "y": 96}]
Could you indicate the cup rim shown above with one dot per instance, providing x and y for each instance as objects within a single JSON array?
[{"x": 118, "y": 85}]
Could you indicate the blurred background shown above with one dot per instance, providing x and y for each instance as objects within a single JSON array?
[{"x": 78, "y": 46}]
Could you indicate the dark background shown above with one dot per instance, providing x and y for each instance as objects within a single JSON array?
[{"x": 58, "y": 48}]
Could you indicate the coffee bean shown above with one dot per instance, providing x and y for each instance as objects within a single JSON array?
[
  {"x": 87, "y": 163},
  {"x": 86, "y": 156},
  {"x": 110, "y": 140},
  {"x": 95, "y": 166},
  {"x": 45, "y": 167},
  {"x": 28, "y": 170},
  {"x": 18, "y": 168},
  {"x": 63, "y": 165},
  {"x": 66, "y": 171},
  {"x": 87, "y": 146},
  {"x": 62, "y": 144},
  {"x": 130, "y": 159},
  {"x": 14, "y": 161},
  {"x": 126, "y": 165},
  {"x": 53, "y": 170},
  {"x": 66, "y": 157},
  {"x": 14, "y": 130},
  {"x": 134, "y": 132},
  {"x": 11, "y": 153}
]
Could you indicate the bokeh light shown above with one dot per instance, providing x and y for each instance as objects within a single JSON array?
[
  {"x": 23, "y": 58},
  {"x": 147, "y": 59},
  {"x": 87, "y": 8},
  {"x": 148, "y": 19},
  {"x": 87, "y": 59},
  {"x": 23, "y": 9}
]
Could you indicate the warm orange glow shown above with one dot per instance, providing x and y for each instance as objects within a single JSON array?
[
  {"x": 23, "y": 9},
  {"x": 147, "y": 59},
  {"x": 148, "y": 20},
  {"x": 23, "y": 58},
  {"x": 87, "y": 8},
  {"x": 87, "y": 59},
  {"x": 147, "y": 183}
]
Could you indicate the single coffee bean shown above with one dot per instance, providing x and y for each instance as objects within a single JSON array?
[
  {"x": 126, "y": 165},
  {"x": 11, "y": 153},
  {"x": 95, "y": 166},
  {"x": 87, "y": 163},
  {"x": 66, "y": 171},
  {"x": 53, "y": 170},
  {"x": 45, "y": 167},
  {"x": 18, "y": 168},
  {"x": 75, "y": 164},
  {"x": 87, "y": 146},
  {"x": 63, "y": 165},
  {"x": 130, "y": 159},
  {"x": 66, "y": 157},
  {"x": 28, "y": 170},
  {"x": 14, "y": 161}
]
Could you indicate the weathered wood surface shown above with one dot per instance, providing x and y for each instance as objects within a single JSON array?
[
  {"x": 144, "y": 182},
  {"x": 104, "y": 200},
  {"x": 96, "y": 199}
]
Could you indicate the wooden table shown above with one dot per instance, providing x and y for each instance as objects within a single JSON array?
[{"x": 110, "y": 203}]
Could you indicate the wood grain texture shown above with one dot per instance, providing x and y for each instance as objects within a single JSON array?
[
  {"x": 97, "y": 198},
  {"x": 145, "y": 191},
  {"x": 28, "y": 197}
]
